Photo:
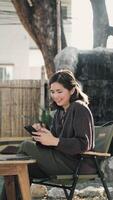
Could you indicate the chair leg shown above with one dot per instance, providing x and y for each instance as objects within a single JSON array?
[
  {"x": 101, "y": 175},
  {"x": 66, "y": 193},
  {"x": 72, "y": 188},
  {"x": 76, "y": 176},
  {"x": 69, "y": 195}
]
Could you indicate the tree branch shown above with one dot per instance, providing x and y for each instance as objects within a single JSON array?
[
  {"x": 24, "y": 12},
  {"x": 100, "y": 23},
  {"x": 30, "y": 3},
  {"x": 39, "y": 19}
]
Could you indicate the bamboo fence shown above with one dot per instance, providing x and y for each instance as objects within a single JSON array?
[{"x": 19, "y": 106}]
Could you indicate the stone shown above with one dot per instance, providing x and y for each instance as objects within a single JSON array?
[
  {"x": 90, "y": 192},
  {"x": 107, "y": 168},
  {"x": 38, "y": 191},
  {"x": 56, "y": 193},
  {"x": 95, "y": 72},
  {"x": 66, "y": 58}
]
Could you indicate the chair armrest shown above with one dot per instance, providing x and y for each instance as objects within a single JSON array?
[
  {"x": 93, "y": 153},
  {"x": 107, "y": 123}
]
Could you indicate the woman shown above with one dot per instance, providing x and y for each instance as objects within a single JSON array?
[{"x": 71, "y": 133}]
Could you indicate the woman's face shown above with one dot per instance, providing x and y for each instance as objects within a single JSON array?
[{"x": 60, "y": 95}]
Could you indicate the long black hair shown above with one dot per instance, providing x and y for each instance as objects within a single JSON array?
[{"x": 67, "y": 79}]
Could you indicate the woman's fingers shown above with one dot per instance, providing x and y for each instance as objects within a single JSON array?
[
  {"x": 37, "y": 126},
  {"x": 45, "y": 130}
]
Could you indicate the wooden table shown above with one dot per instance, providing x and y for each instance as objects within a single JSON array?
[{"x": 9, "y": 168}]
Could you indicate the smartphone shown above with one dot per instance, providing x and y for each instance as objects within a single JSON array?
[{"x": 30, "y": 129}]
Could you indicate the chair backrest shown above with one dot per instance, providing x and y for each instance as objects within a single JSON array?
[{"x": 103, "y": 137}]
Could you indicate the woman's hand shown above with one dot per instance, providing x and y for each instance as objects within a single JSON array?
[
  {"x": 36, "y": 126},
  {"x": 45, "y": 137}
]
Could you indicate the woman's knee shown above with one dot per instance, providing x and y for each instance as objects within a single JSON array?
[{"x": 25, "y": 146}]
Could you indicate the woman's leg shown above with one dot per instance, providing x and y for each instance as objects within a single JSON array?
[
  {"x": 49, "y": 161},
  {"x": 30, "y": 148}
]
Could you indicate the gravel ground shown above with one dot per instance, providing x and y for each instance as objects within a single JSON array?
[{"x": 80, "y": 186}]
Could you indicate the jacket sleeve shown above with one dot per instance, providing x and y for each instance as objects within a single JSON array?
[
  {"x": 81, "y": 139},
  {"x": 53, "y": 125}
]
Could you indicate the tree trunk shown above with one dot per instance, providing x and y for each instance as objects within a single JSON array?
[
  {"x": 39, "y": 19},
  {"x": 101, "y": 28}
]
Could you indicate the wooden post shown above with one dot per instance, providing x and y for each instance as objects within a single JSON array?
[
  {"x": 58, "y": 25},
  {"x": 42, "y": 91}
]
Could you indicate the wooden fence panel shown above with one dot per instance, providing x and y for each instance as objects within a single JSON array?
[{"x": 19, "y": 106}]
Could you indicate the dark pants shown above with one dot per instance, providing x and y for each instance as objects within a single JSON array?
[{"x": 49, "y": 161}]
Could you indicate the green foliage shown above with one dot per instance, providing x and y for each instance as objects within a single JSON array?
[{"x": 46, "y": 118}]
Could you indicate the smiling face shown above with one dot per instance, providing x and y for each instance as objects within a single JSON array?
[{"x": 60, "y": 95}]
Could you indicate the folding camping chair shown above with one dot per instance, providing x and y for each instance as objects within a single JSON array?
[{"x": 104, "y": 135}]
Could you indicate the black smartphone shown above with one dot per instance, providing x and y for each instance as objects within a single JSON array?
[{"x": 30, "y": 129}]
